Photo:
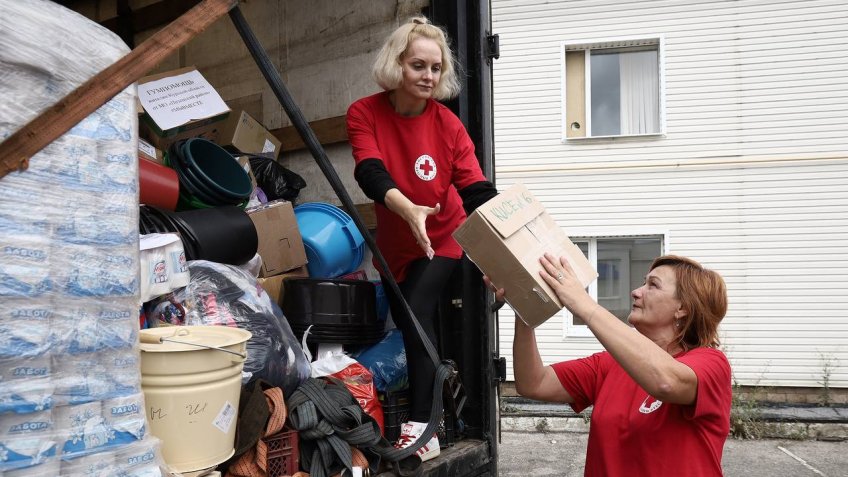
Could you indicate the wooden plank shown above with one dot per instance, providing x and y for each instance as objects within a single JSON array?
[
  {"x": 329, "y": 131},
  {"x": 366, "y": 211},
  {"x": 575, "y": 94},
  {"x": 16, "y": 151}
]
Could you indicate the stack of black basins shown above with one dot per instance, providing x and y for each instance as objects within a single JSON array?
[
  {"x": 339, "y": 311},
  {"x": 222, "y": 234},
  {"x": 209, "y": 175}
]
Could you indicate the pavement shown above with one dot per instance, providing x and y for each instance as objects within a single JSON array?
[
  {"x": 542, "y": 439},
  {"x": 563, "y": 454}
]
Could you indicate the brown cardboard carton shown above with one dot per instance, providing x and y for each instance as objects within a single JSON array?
[
  {"x": 184, "y": 102},
  {"x": 244, "y": 134},
  {"x": 244, "y": 162},
  {"x": 280, "y": 244},
  {"x": 150, "y": 152},
  {"x": 210, "y": 131},
  {"x": 275, "y": 286},
  {"x": 506, "y": 236}
]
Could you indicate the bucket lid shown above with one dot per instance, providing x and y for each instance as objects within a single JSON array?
[{"x": 156, "y": 340}]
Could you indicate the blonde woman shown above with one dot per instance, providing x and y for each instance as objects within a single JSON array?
[{"x": 415, "y": 159}]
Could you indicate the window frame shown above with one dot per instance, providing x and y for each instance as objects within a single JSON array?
[
  {"x": 570, "y": 330},
  {"x": 622, "y": 43}
]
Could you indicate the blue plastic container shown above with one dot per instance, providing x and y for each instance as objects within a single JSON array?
[{"x": 334, "y": 246}]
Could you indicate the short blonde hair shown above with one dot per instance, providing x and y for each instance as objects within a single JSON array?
[{"x": 387, "y": 70}]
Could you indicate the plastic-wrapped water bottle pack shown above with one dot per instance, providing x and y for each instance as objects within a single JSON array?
[{"x": 70, "y": 386}]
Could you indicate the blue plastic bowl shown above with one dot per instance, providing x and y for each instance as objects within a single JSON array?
[{"x": 334, "y": 246}]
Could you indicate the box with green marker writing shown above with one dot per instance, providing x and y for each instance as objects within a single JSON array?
[{"x": 506, "y": 236}]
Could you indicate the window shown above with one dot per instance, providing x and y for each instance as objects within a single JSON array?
[
  {"x": 613, "y": 88},
  {"x": 622, "y": 263}
]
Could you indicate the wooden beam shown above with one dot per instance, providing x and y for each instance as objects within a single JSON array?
[
  {"x": 48, "y": 126},
  {"x": 366, "y": 211},
  {"x": 328, "y": 131}
]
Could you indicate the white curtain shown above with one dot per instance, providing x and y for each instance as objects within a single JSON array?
[{"x": 639, "y": 75}]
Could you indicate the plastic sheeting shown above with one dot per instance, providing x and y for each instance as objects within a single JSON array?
[{"x": 70, "y": 392}]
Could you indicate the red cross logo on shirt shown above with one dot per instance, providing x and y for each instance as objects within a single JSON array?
[{"x": 425, "y": 168}]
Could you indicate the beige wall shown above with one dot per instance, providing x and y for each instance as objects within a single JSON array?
[{"x": 323, "y": 50}]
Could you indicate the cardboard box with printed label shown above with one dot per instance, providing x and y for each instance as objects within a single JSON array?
[
  {"x": 150, "y": 152},
  {"x": 179, "y": 104},
  {"x": 506, "y": 236},
  {"x": 241, "y": 133},
  {"x": 280, "y": 244}
]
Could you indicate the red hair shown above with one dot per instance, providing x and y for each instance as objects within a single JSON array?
[{"x": 703, "y": 295}]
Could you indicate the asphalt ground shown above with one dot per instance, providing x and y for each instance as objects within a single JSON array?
[{"x": 562, "y": 454}]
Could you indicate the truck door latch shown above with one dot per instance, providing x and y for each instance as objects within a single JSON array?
[
  {"x": 493, "y": 47},
  {"x": 500, "y": 368}
]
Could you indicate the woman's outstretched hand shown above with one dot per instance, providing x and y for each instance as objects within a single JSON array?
[{"x": 416, "y": 217}]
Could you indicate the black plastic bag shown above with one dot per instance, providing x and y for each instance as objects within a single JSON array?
[
  {"x": 225, "y": 295},
  {"x": 276, "y": 181}
]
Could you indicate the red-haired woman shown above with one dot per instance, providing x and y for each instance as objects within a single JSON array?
[{"x": 661, "y": 394}]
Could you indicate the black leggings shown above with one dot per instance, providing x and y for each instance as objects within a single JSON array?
[{"x": 423, "y": 286}]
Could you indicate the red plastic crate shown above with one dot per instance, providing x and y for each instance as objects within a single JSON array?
[{"x": 283, "y": 456}]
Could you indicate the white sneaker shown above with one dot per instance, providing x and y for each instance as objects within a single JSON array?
[{"x": 410, "y": 432}]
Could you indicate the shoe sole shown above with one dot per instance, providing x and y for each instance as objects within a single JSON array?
[{"x": 429, "y": 454}]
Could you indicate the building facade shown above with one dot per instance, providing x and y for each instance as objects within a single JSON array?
[{"x": 711, "y": 129}]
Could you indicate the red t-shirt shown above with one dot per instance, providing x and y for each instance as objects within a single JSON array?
[
  {"x": 429, "y": 157},
  {"x": 632, "y": 434}
]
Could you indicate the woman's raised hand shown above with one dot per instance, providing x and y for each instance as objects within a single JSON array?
[
  {"x": 559, "y": 275},
  {"x": 499, "y": 292}
]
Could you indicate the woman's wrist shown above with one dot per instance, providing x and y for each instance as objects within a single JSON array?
[
  {"x": 398, "y": 203},
  {"x": 590, "y": 316}
]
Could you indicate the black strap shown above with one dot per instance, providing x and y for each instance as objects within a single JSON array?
[
  {"x": 263, "y": 61},
  {"x": 329, "y": 420}
]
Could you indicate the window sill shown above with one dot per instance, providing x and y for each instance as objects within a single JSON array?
[{"x": 628, "y": 138}]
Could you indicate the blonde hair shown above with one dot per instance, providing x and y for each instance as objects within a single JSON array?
[
  {"x": 387, "y": 70},
  {"x": 703, "y": 294}
]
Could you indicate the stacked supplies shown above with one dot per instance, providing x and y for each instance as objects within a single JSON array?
[{"x": 70, "y": 390}]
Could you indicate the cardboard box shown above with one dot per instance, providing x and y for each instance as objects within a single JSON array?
[
  {"x": 150, "y": 152},
  {"x": 244, "y": 162},
  {"x": 209, "y": 131},
  {"x": 506, "y": 236},
  {"x": 275, "y": 286},
  {"x": 243, "y": 134},
  {"x": 280, "y": 244},
  {"x": 176, "y": 102}
]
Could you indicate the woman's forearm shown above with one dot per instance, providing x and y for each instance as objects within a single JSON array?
[
  {"x": 398, "y": 203},
  {"x": 527, "y": 363},
  {"x": 648, "y": 364}
]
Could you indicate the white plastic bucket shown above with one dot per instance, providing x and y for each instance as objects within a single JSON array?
[{"x": 191, "y": 392}]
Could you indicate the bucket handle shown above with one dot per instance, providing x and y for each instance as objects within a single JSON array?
[{"x": 150, "y": 339}]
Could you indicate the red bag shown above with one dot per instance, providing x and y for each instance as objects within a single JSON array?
[
  {"x": 357, "y": 379},
  {"x": 360, "y": 383}
]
